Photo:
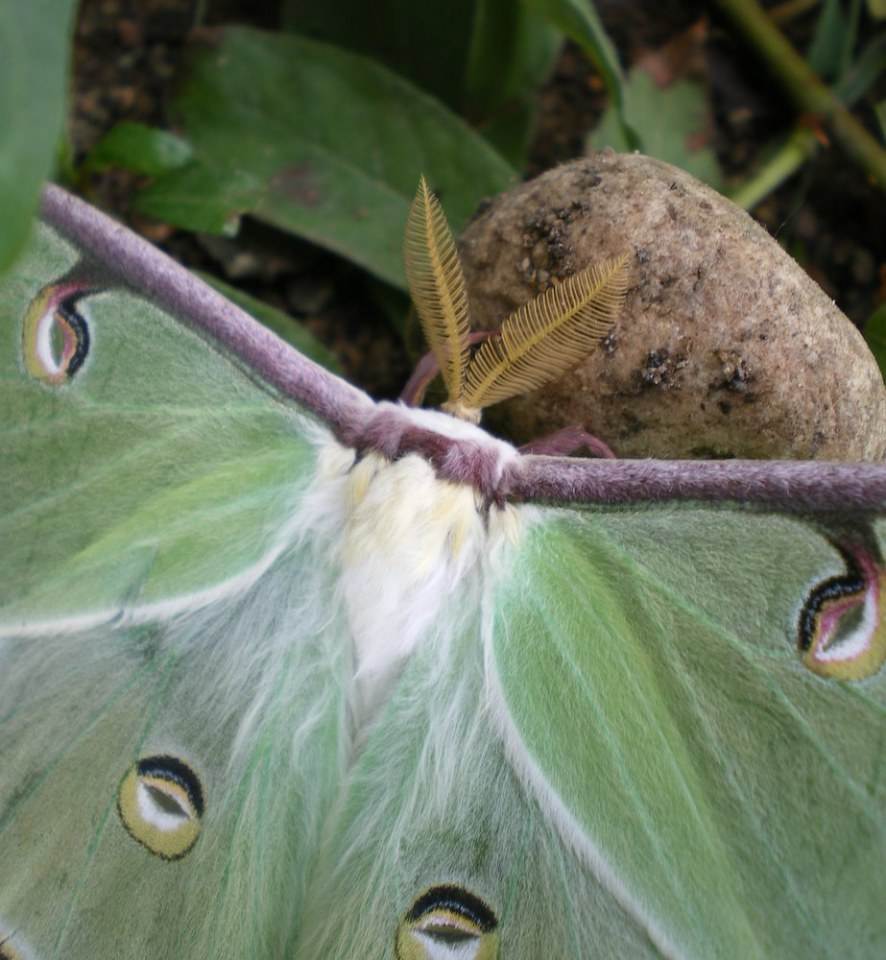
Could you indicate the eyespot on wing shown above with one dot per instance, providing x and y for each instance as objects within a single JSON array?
[
  {"x": 160, "y": 802},
  {"x": 448, "y": 922}
]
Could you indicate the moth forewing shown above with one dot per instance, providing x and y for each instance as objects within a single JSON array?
[
  {"x": 437, "y": 285},
  {"x": 549, "y": 335}
]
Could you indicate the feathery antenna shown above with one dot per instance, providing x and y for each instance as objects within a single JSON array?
[
  {"x": 548, "y": 335},
  {"x": 437, "y": 285},
  {"x": 538, "y": 342}
]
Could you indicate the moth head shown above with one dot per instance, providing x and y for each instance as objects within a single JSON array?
[{"x": 537, "y": 343}]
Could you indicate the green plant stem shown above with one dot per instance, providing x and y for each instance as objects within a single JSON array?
[
  {"x": 804, "y": 87},
  {"x": 786, "y": 161}
]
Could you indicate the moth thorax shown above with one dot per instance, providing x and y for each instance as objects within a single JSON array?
[{"x": 411, "y": 553}]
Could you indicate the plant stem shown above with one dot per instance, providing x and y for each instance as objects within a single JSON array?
[
  {"x": 804, "y": 87},
  {"x": 785, "y": 162}
]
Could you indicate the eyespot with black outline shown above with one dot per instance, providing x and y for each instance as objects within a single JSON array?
[
  {"x": 55, "y": 334},
  {"x": 840, "y": 630},
  {"x": 160, "y": 803},
  {"x": 448, "y": 923}
]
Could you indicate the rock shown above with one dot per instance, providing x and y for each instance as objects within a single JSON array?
[{"x": 725, "y": 347}]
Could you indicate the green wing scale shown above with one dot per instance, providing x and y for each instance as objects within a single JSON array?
[{"x": 275, "y": 684}]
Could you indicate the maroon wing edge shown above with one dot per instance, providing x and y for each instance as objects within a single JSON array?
[{"x": 358, "y": 422}]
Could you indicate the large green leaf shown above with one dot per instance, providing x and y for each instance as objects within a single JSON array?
[
  {"x": 483, "y": 58},
  {"x": 34, "y": 40},
  {"x": 319, "y": 142}
]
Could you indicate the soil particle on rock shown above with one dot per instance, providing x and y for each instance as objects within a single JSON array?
[{"x": 725, "y": 347}]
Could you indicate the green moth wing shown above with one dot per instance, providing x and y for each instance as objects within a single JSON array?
[
  {"x": 151, "y": 605},
  {"x": 738, "y": 806},
  {"x": 149, "y": 465},
  {"x": 288, "y": 674},
  {"x": 615, "y": 755}
]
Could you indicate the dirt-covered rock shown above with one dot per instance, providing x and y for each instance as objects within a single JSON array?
[{"x": 725, "y": 347}]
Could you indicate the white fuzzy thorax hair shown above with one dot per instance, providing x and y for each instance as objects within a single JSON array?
[{"x": 404, "y": 541}]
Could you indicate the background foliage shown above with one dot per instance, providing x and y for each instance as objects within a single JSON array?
[{"x": 301, "y": 126}]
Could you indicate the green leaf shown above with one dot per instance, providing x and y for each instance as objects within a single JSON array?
[
  {"x": 483, "y": 58},
  {"x": 34, "y": 46},
  {"x": 512, "y": 51},
  {"x": 579, "y": 21},
  {"x": 286, "y": 327},
  {"x": 850, "y": 37},
  {"x": 826, "y": 49},
  {"x": 139, "y": 148},
  {"x": 322, "y": 143},
  {"x": 427, "y": 43},
  {"x": 862, "y": 75},
  {"x": 666, "y": 120},
  {"x": 881, "y": 116},
  {"x": 875, "y": 335}
]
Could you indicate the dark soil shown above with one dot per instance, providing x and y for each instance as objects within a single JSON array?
[{"x": 129, "y": 53}]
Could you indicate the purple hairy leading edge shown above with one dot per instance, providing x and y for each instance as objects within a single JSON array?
[{"x": 360, "y": 423}]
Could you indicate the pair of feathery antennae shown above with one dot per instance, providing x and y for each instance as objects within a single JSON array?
[{"x": 538, "y": 342}]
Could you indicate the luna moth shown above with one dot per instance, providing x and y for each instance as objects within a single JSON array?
[{"x": 287, "y": 673}]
